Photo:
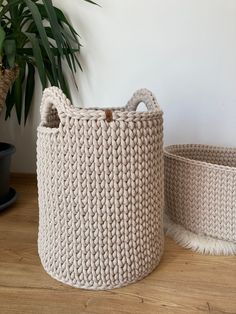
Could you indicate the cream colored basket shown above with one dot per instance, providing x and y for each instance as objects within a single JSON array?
[
  {"x": 200, "y": 197},
  {"x": 101, "y": 191}
]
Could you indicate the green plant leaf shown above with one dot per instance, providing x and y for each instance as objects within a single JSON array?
[
  {"x": 13, "y": 13},
  {"x": 10, "y": 51},
  {"x": 9, "y": 103},
  {"x": 7, "y": 7},
  {"x": 26, "y": 51},
  {"x": 60, "y": 16},
  {"x": 36, "y": 35},
  {"x": 38, "y": 58},
  {"x": 14, "y": 97},
  {"x": 2, "y": 38},
  {"x": 68, "y": 36},
  {"x": 90, "y": 1},
  {"x": 38, "y": 21},
  {"x": 55, "y": 27},
  {"x": 18, "y": 98},
  {"x": 61, "y": 77},
  {"x": 29, "y": 89},
  {"x": 48, "y": 69}
]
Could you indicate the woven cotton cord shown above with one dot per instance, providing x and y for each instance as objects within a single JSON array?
[
  {"x": 100, "y": 180},
  {"x": 53, "y": 98},
  {"x": 145, "y": 96},
  {"x": 200, "y": 195}
]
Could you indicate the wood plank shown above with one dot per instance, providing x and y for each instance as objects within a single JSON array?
[{"x": 185, "y": 282}]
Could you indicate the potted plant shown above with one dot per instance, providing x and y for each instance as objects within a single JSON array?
[{"x": 34, "y": 36}]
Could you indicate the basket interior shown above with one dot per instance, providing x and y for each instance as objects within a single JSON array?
[{"x": 209, "y": 154}]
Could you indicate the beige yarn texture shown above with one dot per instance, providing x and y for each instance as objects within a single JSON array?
[
  {"x": 200, "y": 195},
  {"x": 101, "y": 191}
]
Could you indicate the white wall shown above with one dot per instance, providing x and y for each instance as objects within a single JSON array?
[{"x": 182, "y": 50}]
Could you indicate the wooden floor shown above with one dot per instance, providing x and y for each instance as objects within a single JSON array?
[{"x": 184, "y": 282}]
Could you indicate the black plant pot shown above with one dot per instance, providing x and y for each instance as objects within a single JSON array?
[{"x": 7, "y": 194}]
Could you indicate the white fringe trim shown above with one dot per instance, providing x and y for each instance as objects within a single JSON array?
[{"x": 199, "y": 243}]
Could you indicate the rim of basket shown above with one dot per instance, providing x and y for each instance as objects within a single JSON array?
[
  {"x": 194, "y": 162},
  {"x": 100, "y": 114},
  {"x": 117, "y": 111}
]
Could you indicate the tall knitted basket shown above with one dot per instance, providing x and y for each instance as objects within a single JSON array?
[
  {"x": 101, "y": 191},
  {"x": 200, "y": 197}
]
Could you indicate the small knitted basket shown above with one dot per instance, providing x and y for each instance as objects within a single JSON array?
[
  {"x": 101, "y": 191},
  {"x": 200, "y": 197}
]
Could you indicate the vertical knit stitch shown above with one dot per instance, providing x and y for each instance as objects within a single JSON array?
[
  {"x": 200, "y": 196},
  {"x": 101, "y": 198}
]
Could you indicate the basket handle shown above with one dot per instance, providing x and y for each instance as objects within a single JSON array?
[
  {"x": 53, "y": 97},
  {"x": 145, "y": 96}
]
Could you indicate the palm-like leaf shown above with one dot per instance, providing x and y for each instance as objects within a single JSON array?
[{"x": 34, "y": 34}]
